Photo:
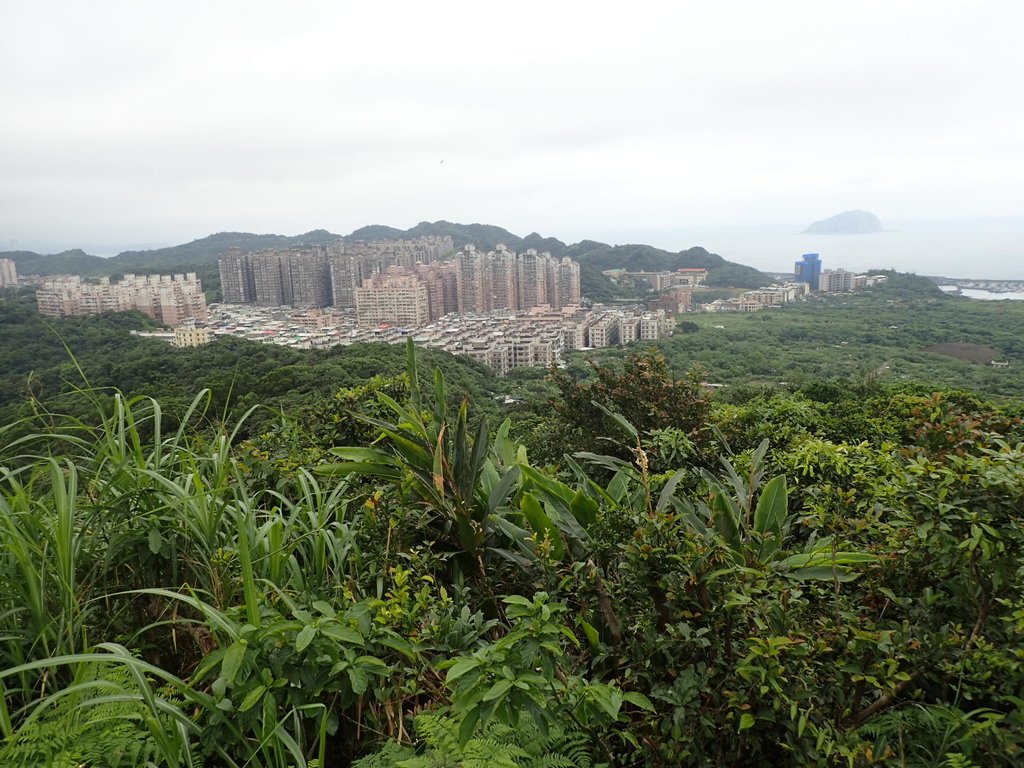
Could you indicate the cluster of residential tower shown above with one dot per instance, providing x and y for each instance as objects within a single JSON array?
[
  {"x": 503, "y": 308},
  {"x": 405, "y": 282},
  {"x": 808, "y": 270},
  {"x": 170, "y": 299}
]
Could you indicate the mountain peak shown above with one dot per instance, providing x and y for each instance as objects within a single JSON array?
[{"x": 846, "y": 223}]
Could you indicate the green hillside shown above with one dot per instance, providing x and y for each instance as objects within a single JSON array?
[
  {"x": 201, "y": 255},
  {"x": 825, "y": 577}
]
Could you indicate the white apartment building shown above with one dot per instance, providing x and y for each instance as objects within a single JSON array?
[
  {"x": 8, "y": 274},
  {"x": 170, "y": 299},
  {"x": 393, "y": 298},
  {"x": 504, "y": 280},
  {"x": 629, "y": 329},
  {"x": 836, "y": 281},
  {"x": 604, "y": 332}
]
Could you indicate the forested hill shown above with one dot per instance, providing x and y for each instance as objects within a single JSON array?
[
  {"x": 197, "y": 253},
  {"x": 202, "y": 254},
  {"x": 43, "y": 362}
]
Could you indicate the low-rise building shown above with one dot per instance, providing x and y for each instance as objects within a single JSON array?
[
  {"x": 604, "y": 331},
  {"x": 502, "y": 341},
  {"x": 191, "y": 336}
]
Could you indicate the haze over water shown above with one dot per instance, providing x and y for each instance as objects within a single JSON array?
[{"x": 967, "y": 249}]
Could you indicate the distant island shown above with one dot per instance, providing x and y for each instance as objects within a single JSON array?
[{"x": 846, "y": 223}]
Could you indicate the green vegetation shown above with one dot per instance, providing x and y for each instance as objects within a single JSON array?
[
  {"x": 825, "y": 577},
  {"x": 37, "y": 374},
  {"x": 885, "y": 335}
]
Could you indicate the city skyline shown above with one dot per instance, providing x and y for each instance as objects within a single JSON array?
[{"x": 401, "y": 281}]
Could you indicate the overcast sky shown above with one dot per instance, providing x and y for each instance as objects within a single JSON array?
[{"x": 126, "y": 122}]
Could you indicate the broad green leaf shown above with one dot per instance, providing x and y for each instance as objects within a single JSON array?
[
  {"x": 459, "y": 668},
  {"x": 726, "y": 520},
  {"x": 437, "y": 470},
  {"x": 618, "y": 485},
  {"x": 746, "y": 721},
  {"x": 399, "y": 644},
  {"x": 541, "y": 524},
  {"x": 358, "y": 679},
  {"x": 345, "y": 635},
  {"x": 360, "y": 468},
  {"x": 822, "y": 573},
  {"x": 500, "y": 493},
  {"x": 440, "y": 398},
  {"x": 771, "y": 507},
  {"x": 504, "y": 448},
  {"x": 305, "y": 637},
  {"x": 669, "y": 489},
  {"x": 469, "y": 721},
  {"x": 637, "y": 699},
  {"x": 156, "y": 541},
  {"x": 498, "y": 690},
  {"x": 233, "y": 658},
  {"x": 591, "y": 633},
  {"x": 324, "y": 608},
  {"x": 554, "y": 490},
  {"x": 219, "y": 687},
  {"x": 470, "y": 476},
  {"x": 584, "y": 508},
  {"x": 825, "y": 557},
  {"x": 602, "y": 696},
  {"x": 410, "y": 367},
  {"x": 368, "y": 455},
  {"x": 251, "y": 698}
]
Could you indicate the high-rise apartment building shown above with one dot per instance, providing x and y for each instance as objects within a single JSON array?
[
  {"x": 532, "y": 269},
  {"x": 272, "y": 278},
  {"x": 319, "y": 276},
  {"x": 237, "y": 285},
  {"x": 310, "y": 277},
  {"x": 343, "y": 268},
  {"x": 504, "y": 280},
  {"x": 352, "y": 263},
  {"x": 836, "y": 281},
  {"x": 808, "y": 270},
  {"x": 565, "y": 283},
  {"x": 8, "y": 274},
  {"x": 475, "y": 281},
  {"x": 441, "y": 281},
  {"x": 408, "y": 296},
  {"x": 397, "y": 297}
]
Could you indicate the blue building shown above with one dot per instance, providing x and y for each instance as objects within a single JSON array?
[{"x": 809, "y": 270}]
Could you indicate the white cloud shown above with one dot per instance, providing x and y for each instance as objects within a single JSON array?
[{"x": 139, "y": 121}]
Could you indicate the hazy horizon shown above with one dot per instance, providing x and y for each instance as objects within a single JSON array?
[
  {"x": 980, "y": 248},
  {"x": 139, "y": 123}
]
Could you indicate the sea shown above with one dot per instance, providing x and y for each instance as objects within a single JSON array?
[
  {"x": 990, "y": 250},
  {"x": 978, "y": 293}
]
